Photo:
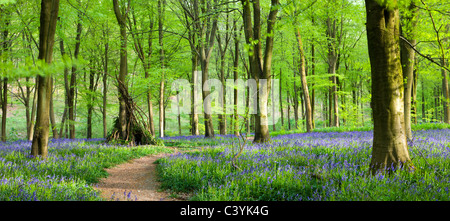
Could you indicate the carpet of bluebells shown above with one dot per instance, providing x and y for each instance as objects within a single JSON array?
[
  {"x": 69, "y": 173},
  {"x": 316, "y": 166}
]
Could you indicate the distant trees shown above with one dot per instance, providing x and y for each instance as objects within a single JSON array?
[{"x": 317, "y": 49}]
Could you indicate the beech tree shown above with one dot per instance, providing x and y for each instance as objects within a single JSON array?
[
  {"x": 390, "y": 148},
  {"x": 48, "y": 19},
  {"x": 260, "y": 63}
]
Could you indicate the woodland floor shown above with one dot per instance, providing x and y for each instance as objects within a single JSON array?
[{"x": 139, "y": 177}]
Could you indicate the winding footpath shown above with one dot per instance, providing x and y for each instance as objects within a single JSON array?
[{"x": 135, "y": 180}]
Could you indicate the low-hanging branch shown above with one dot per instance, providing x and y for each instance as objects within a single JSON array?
[{"x": 424, "y": 56}]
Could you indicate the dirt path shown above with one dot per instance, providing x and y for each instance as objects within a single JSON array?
[{"x": 135, "y": 181}]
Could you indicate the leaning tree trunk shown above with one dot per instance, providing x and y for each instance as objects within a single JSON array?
[
  {"x": 390, "y": 149},
  {"x": 49, "y": 16}
]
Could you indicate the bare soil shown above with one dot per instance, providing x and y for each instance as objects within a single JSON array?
[{"x": 136, "y": 180}]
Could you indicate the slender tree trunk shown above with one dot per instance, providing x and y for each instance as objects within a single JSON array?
[
  {"x": 33, "y": 112},
  {"x": 222, "y": 117},
  {"x": 407, "y": 60},
  {"x": 295, "y": 104},
  {"x": 445, "y": 92},
  {"x": 105, "y": 87},
  {"x": 423, "y": 102},
  {"x": 281, "y": 98},
  {"x": 288, "y": 111},
  {"x": 90, "y": 105},
  {"x": 332, "y": 66},
  {"x": 390, "y": 147},
  {"x": 4, "y": 107},
  {"x": 194, "y": 127},
  {"x": 236, "y": 77},
  {"x": 313, "y": 72},
  {"x": 307, "y": 101},
  {"x": 261, "y": 67},
  {"x": 48, "y": 19},
  {"x": 178, "y": 115},
  {"x": 414, "y": 96},
  {"x": 121, "y": 15},
  {"x": 72, "y": 89},
  {"x": 27, "y": 105},
  {"x": 161, "y": 6},
  {"x": 209, "y": 129},
  {"x": 52, "y": 115}
]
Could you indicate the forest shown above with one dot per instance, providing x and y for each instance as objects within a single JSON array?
[{"x": 248, "y": 100}]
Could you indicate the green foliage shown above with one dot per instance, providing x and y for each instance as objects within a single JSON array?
[{"x": 69, "y": 173}]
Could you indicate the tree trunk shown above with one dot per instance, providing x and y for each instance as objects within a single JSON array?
[
  {"x": 123, "y": 69},
  {"x": 48, "y": 19},
  {"x": 236, "y": 77},
  {"x": 332, "y": 62},
  {"x": 307, "y": 102},
  {"x": 414, "y": 96},
  {"x": 105, "y": 87},
  {"x": 390, "y": 149},
  {"x": 72, "y": 89},
  {"x": 261, "y": 67},
  {"x": 407, "y": 59},
  {"x": 295, "y": 104},
  {"x": 288, "y": 111},
  {"x": 194, "y": 127},
  {"x": 33, "y": 112},
  {"x": 90, "y": 104},
  {"x": 423, "y": 102},
  {"x": 445, "y": 92},
  {"x": 161, "y": 7},
  {"x": 4, "y": 107},
  {"x": 209, "y": 129},
  {"x": 52, "y": 115},
  {"x": 4, "y": 81},
  {"x": 313, "y": 72},
  {"x": 222, "y": 117}
]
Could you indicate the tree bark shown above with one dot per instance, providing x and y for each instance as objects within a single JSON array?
[
  {"x": 445, "y": 92},
  {"x": 307, "y": 101},
  {"x": 90, "y": 104},
  {"x": 281, "y": 98},
  {"x": 390, "y": 149},
  {"x": 236, "y": 77},
  {"x": 52, "y": 115},
  {"x": 194, "y": 127},
  {"x": 123, "y": 70},
  {"x": 48, "y": 19},
  {"x": 161, "y": 7},
  {"x": 105, "y": 85},
  {"x": 4, "y": 88},
  {"x": 407, "y": 60},
  {"x": 261, "y": 67},
  {"x": 4, "y": 107},
  {"x": 332, "y": 62}
]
